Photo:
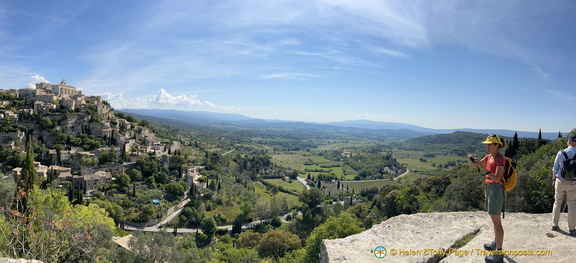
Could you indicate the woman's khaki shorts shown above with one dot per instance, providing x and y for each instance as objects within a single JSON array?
[{"x": 494, "y": 198}]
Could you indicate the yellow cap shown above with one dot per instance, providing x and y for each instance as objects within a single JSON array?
[{"x": 492, "y": 139}]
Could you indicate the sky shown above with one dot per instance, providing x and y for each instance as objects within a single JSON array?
[{"x": 438, "y": 64}]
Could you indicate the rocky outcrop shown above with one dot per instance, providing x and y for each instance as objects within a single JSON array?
[{"x": 433, "y": 237}]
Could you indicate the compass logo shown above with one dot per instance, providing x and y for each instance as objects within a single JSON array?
[{"x": 380, "y": 252}]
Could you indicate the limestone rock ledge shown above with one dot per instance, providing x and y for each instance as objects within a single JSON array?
[{"x": 428, "y": 237}]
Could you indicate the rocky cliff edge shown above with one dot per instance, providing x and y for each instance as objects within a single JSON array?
[{"x": 435, "y": 237}]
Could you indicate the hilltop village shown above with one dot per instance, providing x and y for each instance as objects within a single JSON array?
[{"x": 56, "y": 115}]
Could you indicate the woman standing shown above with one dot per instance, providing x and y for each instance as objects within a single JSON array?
[{"x": 493, "y": 167}]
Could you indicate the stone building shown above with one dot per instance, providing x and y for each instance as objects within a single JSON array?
[{"x": 62, "y": 88}]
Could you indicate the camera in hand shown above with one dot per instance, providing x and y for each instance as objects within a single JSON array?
[{"x": 472, "y": 159}]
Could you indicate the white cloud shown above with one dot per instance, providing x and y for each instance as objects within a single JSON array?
[
  {"x": 165, "y": 98},
  {"x": 110, "y": 96},
  {"x": 162, "y": 100},
  {"x": 36, "y": 79}
]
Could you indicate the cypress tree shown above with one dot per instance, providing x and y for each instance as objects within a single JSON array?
[
  {"x": 540, "y": 141},
  {"x": 539, "y": 134},
  {"x": 71, "y": 194},
  {"x": 29, "y": 171},
  {"x": 27, "y": 177},
  {"x": 515, "y": 145}
]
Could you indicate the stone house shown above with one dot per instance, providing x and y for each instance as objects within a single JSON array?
[
  {"x": 64, "y": 155},
  {"x": 27, "y": 93},
  {"x": 48, "y": 98},
  {"x": 9, "y": 114},
  {"x": 41, "y": 106},
  {"x": 91, "y": 181},
  {"x": 87, "y": 182},
  {"x": 41, "y": 170}
]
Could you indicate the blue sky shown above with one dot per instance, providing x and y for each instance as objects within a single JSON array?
[{"x": 437, "y": 64}]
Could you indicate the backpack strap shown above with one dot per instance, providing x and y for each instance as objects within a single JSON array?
[
  {"x": 504, "y": 204},
  {"x": 565, "y": 155},
  {"x": 565, "y": 158}
]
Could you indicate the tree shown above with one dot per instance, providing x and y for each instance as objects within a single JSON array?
[
  {"x": 335, "y": 227},
  {"x": 276, "y": 222},
  {"x": 278, "y": 205},
  {"x": 239, "y": 255},
  {"x": 14, "y": 160},
  {"x": 114, "y": 210},
  {"x": 51, "y": 230},
  {"x": 176, "y": 162},
  {"x": 45, "y": 123},
  {"x": 58, "y": 148},
  {"x": 540, "y": 141},
  {"x": 154, "y": 248},
  {"x": 248, "y": 240},
  {"x": 174, "y": 190},
  {"x": 148, "y": 212},
  {"x": 27, "y": 179},
  {"x": 237, "y": 226},
  {"x": 294, "y": 174},
  {"x": 208, "y": 226},
  {"x": 107, "y": 157},
  {"x": 123, "y": 180},
  {"x": 464, "y": 193},
  {"x": 135, "y": 175},
  {"x": 7, "y": 190},
  {"x": 533, "y": 193},
  {"x": 161, "y": 177},
  {"x": 262, "y": 210},
  {"x": 276, "y": 243},
  {"x": 312, "y": 213}
]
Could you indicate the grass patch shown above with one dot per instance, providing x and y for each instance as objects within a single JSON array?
[
  {"x": 465, "y": 240},
  {"x": 293, "y": 161},
  {"x": 228, "y": 212},
  {"x": 295, "y": 185}
]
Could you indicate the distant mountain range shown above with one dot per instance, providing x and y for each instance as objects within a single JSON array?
[{"x": 400, "y": 130}]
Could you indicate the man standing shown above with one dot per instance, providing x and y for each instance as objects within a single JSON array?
[{"x": 564, "y": 187}]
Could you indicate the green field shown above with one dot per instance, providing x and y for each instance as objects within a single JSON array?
[
  {"x": 357, "y": 142},
  {"x": 294, "y": 185},
  {"x": 309, "y": 164},
  {"x": 420, "y": 162},
  {"x": 359, "y": 185},
  {"x": 294, "y": 161}
]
